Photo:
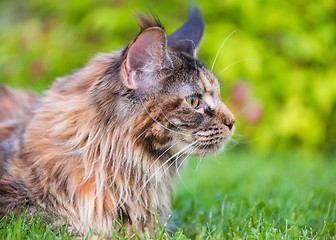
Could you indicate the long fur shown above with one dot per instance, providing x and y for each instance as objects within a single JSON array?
[{"x": 94, "y": 151}]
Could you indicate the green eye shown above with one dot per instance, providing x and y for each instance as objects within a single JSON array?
[{"x": 192, "y": 100}]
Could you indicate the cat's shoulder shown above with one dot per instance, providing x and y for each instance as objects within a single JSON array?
[{"x": 15, "y": 112}]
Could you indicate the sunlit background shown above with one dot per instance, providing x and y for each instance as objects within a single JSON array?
[{"x": 277, "y": 67}]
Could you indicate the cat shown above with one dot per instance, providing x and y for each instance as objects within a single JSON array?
[{"x": 105, "y": 142}]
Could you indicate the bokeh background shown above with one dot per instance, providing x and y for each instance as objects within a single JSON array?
[
  {"x": 278, "y": 72},
  {"x": 277, "y": 65}
]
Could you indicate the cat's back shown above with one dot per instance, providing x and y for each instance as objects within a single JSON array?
[{"x": 16, "y": 109}]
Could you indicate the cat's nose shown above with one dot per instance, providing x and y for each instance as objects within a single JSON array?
[
  {"x": 227, "y": 117},
  {"x": 229, "y": 122}
]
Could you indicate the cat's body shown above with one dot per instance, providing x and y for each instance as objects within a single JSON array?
[{"x": 104, "y": 143}]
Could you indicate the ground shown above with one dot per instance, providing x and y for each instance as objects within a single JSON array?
[{"x": 237, "y": 195}]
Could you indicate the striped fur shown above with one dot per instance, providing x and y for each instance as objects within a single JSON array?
[{"x": 93, "y": 150}]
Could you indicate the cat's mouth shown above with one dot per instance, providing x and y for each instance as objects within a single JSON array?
[
  {"x": 213, "y": 144},
  {"x": 204, "y": 143}
]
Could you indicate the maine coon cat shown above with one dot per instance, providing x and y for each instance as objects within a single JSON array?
[{"x": 105, "y": 142}]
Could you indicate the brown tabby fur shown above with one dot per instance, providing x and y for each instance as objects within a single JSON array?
[{"x": 95, "y": 146}]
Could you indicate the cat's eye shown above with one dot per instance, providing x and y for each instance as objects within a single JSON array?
[{"x": 192, "y": 100}]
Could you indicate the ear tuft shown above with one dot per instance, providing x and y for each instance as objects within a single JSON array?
[{"x": 145, "y": 21}]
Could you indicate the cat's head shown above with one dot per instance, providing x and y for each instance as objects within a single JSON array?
[
  {"x": 172, "y": 100},
  {"x": 180, "y": 95}
]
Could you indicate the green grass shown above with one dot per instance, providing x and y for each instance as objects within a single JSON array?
[
  {"x": 237, "y": 196},
  {"x": 248, "y": 196},
  {"x": 14, "y": 227}
]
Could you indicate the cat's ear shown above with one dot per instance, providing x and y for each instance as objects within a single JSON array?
[
  {"x": 188, "y": 37},
  {"x": 146, "y": 55}
]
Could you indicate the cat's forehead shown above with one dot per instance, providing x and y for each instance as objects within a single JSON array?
[
  {"x": 193, "y": 76},
  {"x": 208, "y": 80}
]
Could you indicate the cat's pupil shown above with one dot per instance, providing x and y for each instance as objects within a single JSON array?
[{"x": 192, "y": 101}]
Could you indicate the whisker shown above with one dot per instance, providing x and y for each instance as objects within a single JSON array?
[
  {"x": 171, "y": 130},
  {"x": 215, "y": 154},
  {"x": 139, "y": 136},
  {"x": 241, "y": 60},
  {"x": 194, "y": 46},
  {"x": 182, "y": 150},
  {"x": 178, "y": 174},
  {"x": 176, "y": 161},
  {"x": 220, "y": 48},
  {"x": 182, "y": 181},
  {"x": 177, "y": 126},
  {"x": 188, "y": 156},
  {"x": 176, "y": 154},
  {"x": 162, "y": 155},
  {"x": 202, "y": 155}
]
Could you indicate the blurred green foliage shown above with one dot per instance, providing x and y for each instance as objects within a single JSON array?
[{"x": 285, "y": 51}]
